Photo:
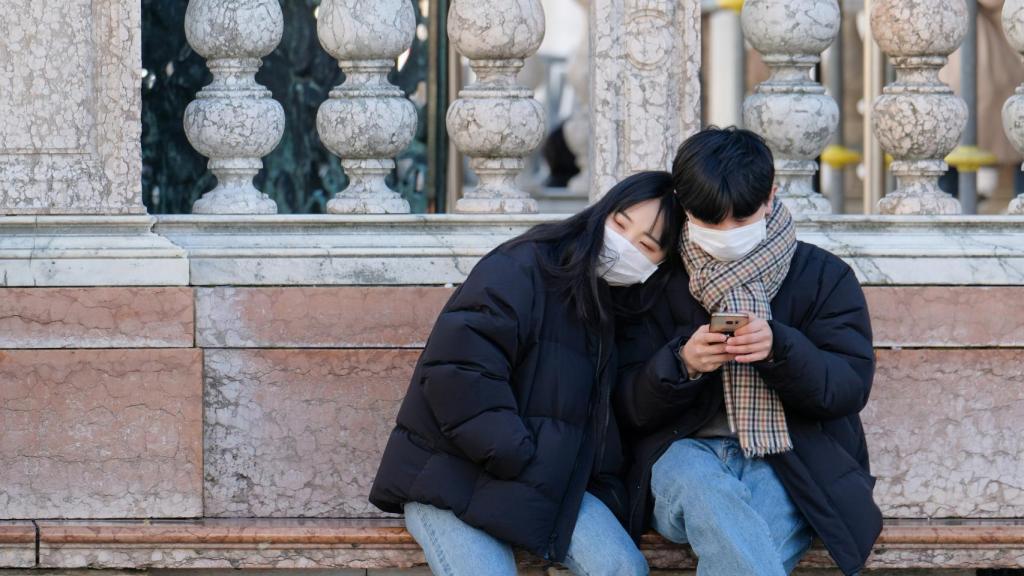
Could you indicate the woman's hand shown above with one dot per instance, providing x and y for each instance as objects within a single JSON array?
[
  {"x": 751, "y": 343},
  {"x": 705, "y": 352}
]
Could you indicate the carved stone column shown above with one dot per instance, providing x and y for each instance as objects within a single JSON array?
[
  {"x": 234, "y": 121},
  {"x": 495, "y": 121},
  {"x": 368, "y": 120},
  {"x": 918, "y": 119},
  {"x": 1013, "y": 110},
  {"x": 645, "y": 78},
  {"x": 790, "y": 110},
  {"x": 577, "y": 128}
]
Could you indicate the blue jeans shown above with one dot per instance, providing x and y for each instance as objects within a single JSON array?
[
  {"x": 600, "y": 545},
  {"x": 733, "y": 511}
]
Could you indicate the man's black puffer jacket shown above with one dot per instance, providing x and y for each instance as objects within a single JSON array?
[{"x": 823, "y": 366}]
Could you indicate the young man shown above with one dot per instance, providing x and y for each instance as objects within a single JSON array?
[{"x": 748, "y": 445}]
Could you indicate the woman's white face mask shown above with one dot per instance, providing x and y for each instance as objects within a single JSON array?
[
  {"x": 729, "y": 245},
  {"x": 622, "y": 263}
]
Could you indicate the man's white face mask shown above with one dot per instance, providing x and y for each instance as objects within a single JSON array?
[
  {"x": 729, "y": 245},
  {"x": 622, "y": 263}
]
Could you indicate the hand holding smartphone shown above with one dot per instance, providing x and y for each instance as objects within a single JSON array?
[{"x": 727, "y": 322}]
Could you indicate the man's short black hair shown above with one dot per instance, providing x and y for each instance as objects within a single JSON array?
[{"x": 720, "y": 172}]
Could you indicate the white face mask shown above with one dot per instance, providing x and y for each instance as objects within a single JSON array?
[
  {"x": 729, "y": 245},
  {"x": 622, "y": 263}
]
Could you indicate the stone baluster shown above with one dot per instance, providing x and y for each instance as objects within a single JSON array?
[
  {"x": 577, "y": 127},
  {"x": 234, "y": 121},
  {"x": 1013, "y": 110},
  {"x": 790, "y": 110},
  {"x": 918, "y": 119},
  {"x": 495, "y": 121},
  {"x": 367, "y": 121}
]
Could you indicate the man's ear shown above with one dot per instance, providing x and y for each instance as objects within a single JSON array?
[{"x": 771, "y": 200}]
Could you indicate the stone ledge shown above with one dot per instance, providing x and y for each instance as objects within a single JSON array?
[
  {"x": 17, "y": 544},
  {"x": 440, "y": 249},
  {"x": 301, "y": 543}
]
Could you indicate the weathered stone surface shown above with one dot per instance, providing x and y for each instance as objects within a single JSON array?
[
  {"x": 645, "y": 78},
  {"x": 87, "y": 250},
  {"x": 943, "y": 432},
  {"x": 234, "y": 121},
  {"x": 100, "y": 433},
  {"x": 367, "y": 121},
  {"x": 70, "y": 103},
  {"x": 96, "y": 318},
  {"x": 325, "y": 317},
  {"x": 917, "y": 118},
  {"x": 298, "y": 432},
  {"x": 495, "y": 121},
  {"x": 227, "y": 544},
  {"x": 946, "y": 316},
  {"x": 17, "y": 544},
  {"x": 383, "y": 544},
  {"x": 792, "y": 111}
]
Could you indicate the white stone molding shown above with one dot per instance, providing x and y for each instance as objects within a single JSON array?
[
  {"x": 495, "y": 121},
  {"x": 918, "y": 119},
  {"x": 234, "y": 121},
  {"x": 367, "y": 121},
  {"x": 645, "y": 84},
  {"x": 790, "y": 110}
]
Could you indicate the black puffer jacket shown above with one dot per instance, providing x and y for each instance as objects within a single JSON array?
[
  {"x": 822, "y": 369},
  {"x": 507, "y": 419}
]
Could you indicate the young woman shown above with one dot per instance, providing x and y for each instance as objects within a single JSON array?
[{"x": 505, "y": 437}]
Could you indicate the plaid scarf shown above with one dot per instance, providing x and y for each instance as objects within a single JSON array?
[{"x": 747, "y": 285}]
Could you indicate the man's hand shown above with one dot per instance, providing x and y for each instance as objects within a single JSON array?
[
  {"x": 705, "y": 352},
  {"x": 751, "y": 343}
]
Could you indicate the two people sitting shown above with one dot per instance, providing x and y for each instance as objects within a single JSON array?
[{"x": 573, "y": 393}]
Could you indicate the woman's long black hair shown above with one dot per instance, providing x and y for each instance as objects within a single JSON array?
[{"x": 579, "y": 240}]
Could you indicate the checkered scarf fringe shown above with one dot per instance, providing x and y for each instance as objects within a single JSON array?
[{"x": 755, "y": 412}]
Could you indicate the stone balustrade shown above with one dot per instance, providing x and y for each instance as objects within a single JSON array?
[
  {"x": 495, "y": 121},
  {"x": 1013, "y": 111},
  {"x": 790, "y": 110},
  {"x": 918, "y": 119},
  {"x": 234, "y": 121},
  {"x": 367, "y": 120}
]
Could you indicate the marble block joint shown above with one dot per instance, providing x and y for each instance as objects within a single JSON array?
[
  {"x": 495, "y": 121},
  {"x": 234, "y": 121},
  {"x": 1013, "y": 110},
  {"x": 790, "y": 110},
  {"x": 367, "y": 121},
  {"x": 918, "y": 119},
  {"x": 645, "y": 85}
]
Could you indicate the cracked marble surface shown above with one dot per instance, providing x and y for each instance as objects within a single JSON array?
[
  {"x": 645, "y": 84},
  {"x": 293, "y": 433},
  {"x": 69, "y": 95},
  {"x": 100, "y": 433},
  {"x": 324, "y": 317},
  {"x": 943, "y": 432},
  {"x": 96, "y": 318}
]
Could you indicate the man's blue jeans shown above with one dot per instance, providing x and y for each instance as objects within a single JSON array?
[
  {"x": 600, "y": 545},
  {"x": 733, "y": 511}
]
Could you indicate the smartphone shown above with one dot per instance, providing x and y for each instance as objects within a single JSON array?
[{"x": 727, "y": 323}]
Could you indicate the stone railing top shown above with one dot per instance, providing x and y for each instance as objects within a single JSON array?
[{"x": 206, "y": 250}]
